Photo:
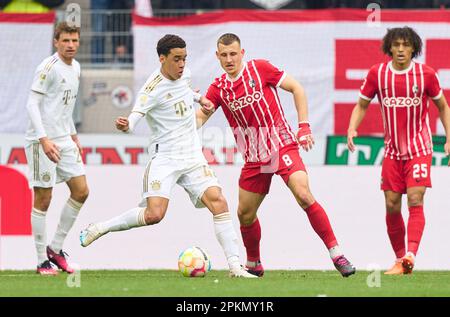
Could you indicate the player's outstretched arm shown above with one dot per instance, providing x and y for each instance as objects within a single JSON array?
[
  {"x": 444, "y": 114},
  {"x": 358, "y": 113},
  {"x": 304, "y": 134}
]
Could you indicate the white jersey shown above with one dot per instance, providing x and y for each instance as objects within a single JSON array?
[
  {"x": 168, "y": 106},
  {"x": 58, "y": 82}
]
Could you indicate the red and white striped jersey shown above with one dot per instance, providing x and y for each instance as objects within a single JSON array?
[
  {"x": 252, "y": 107},
  {"x": 404, "y": 98}
]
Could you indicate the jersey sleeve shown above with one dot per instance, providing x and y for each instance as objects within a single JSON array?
[
  {"x": 144, "y": 103},
  {"x": 433, "y": 87},
  {"x": 369, "y": 87},
  {"x": 271, "y": 74},
  {"x": 213, "y": 95},
  {"x": 42, "y": 80}
]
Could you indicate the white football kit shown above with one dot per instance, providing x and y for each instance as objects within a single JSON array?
[
  {"x": 58, "y": 84},
  {"x": 175, "y": 149}
]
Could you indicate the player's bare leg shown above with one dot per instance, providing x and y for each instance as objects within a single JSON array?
[
  {"x": 79, "y": 192},
  {"x": 396, "y": 229},
  {"x": 250, "y": 229},
  {"x": 416, "y": 225},
  {"x": 223, "y": 227},
  {"x": 299, "y": 185},
  {"x": 42, "y": 199},
  {"x": 133, "y": 218}
]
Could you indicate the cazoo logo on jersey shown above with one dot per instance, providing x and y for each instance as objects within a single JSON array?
[
  {"x": 245, "y": 101},
  {"x": 401, "y": 102}
]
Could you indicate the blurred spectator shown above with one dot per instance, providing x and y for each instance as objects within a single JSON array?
[
  {"x": 99, "y": 27},
  {"x": 119, "y": 23}
]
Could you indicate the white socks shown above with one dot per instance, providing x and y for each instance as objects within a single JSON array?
[
  {"x": 40, "y": 234},
  {"x": 227, "y": 238},
  {"x": 68, "y": 216},
  {"x": 130, "y": 219},
  {"x": 335, "y": 252}
]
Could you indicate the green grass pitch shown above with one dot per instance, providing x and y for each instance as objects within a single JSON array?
[{"x": 167, "y": 283}]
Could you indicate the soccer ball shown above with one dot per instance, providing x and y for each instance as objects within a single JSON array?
[{"x": 194, "y": 262}]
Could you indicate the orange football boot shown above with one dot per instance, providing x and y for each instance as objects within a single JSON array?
[{"x": 397, "y": 269}]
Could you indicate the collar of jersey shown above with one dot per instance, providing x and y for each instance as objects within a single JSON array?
[
  {"x": 244, "y": 64},
  {"x": 400, "y": 72}
]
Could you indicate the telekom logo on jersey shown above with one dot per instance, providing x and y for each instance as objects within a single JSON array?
[
  {"x": 245, "y": 101},
  {"x": 401, "y": 102}
]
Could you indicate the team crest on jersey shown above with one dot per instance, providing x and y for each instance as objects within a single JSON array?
[
  {"x": 45, "y": 177},
  {"x": 251, "y": 82},
  {"x": 156, "y": 185},
  {"x": 415, "y": 89}
]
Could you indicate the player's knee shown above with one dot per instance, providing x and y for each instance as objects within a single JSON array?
[
  {"x": 81, "y": 195},
  {"x": 154, "y": 214},
  {"x": 246, "y": 216},
  {"x": 304, "y": 197},
  {"x": 42, "y": 201},
  {"x": 393, "y": 206},
  {"x": 415, "y": 200},
  {"x": 219, "y": 203}
]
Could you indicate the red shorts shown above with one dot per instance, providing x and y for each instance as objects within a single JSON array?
[
  {"x": 256, "y": 177},
  {"x": 398, "y": 175}
]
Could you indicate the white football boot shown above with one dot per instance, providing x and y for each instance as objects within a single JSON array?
[
  {"x": 239, "y": 271},
  {"x": 89, "y": 235}
]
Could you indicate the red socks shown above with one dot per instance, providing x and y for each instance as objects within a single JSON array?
[
  {"x": 251, "y": 235},
  {"x": 321, "y": 225},
  {"x": 416, "y": 224},
  {"x": 396, "y": 232}
]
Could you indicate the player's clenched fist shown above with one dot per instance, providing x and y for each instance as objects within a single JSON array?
[
  {"x": 122, "y": 124},
  {"x": 304, "y": 136}
]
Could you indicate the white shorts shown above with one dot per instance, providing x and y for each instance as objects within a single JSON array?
[
  {"x": 45, "y": 173},
  {"x": 162, "y": 173}
]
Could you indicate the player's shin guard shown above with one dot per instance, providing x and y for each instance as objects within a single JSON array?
[
  {"x": 68, "y": 216},
  {"x": 251, "y": 235},
  {"x": 130, "y": 219},
  {"x": 396, "y": 232},
  {"x": 38, "y": 227},
  {"x": 227, "y": 237},
  {"x": 321, "y": 225},
  {"x": 416, "y": 224}
]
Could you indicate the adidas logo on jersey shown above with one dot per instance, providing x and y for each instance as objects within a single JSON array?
[
  {"x": 168, "y": 96},
  {"x": 63, "y": 81}
]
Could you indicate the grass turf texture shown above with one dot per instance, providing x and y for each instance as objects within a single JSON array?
[{"x": 167, "y": 283}]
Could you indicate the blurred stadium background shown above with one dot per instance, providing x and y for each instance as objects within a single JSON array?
[{"x": 328, "y": 45}]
